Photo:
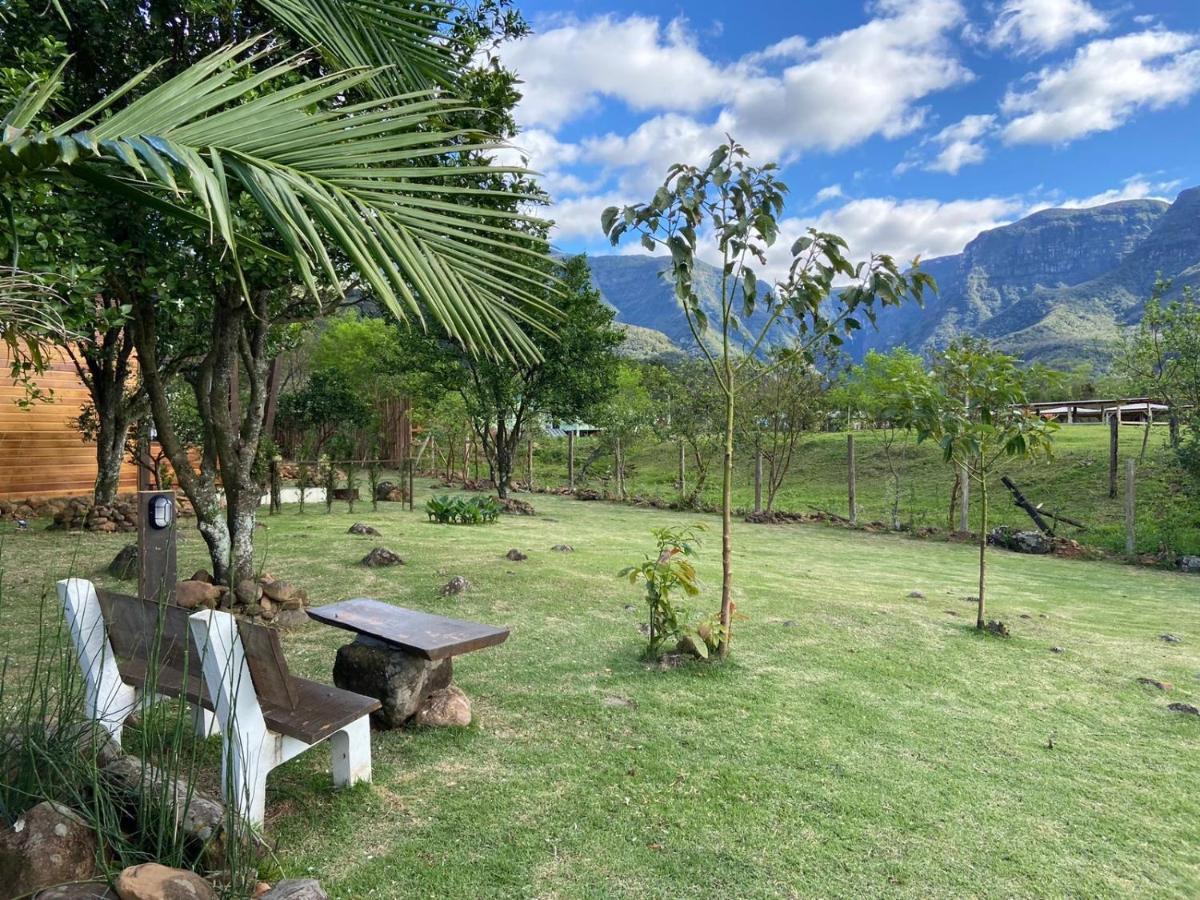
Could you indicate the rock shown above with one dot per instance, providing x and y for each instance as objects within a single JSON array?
[
  {"x": 588, "y": 494},
  {"x": 291, "y": 618},
  {"x": 1185, "y": 708},
  {"x": 106, "y": 527},
  {"x": 381, "y": 556},
  {"x": 151, "y": 881},
  {"x": 362, "y": 528},
  {"x": 916, "y": 595},
  {"x": 1057, "y": 650},
  {"x": 92, "y": 890},
  {"x": 1189, "y": 563},
  {"x": 47, "y": 845},
  {"x": 1155, "y": 683},
  {"x": 1170, "y": 638},
  {"x": 399, "y": 680},
  {"x": 455, "y": 586},
  {"x": 396, "y": 496},
  {"x": 996, "y": 627},
  {"x": 448, "y": 707},
  {"x": 202, "y": 575},
  {"x": 196, "y": 815},
  {"x": 1021, "y": 541},
  {"x": 515, "y": 507},
  {"x": 284, "y": 593},
  {"x": 563, "y": 548},
  {"x": 515, "y": 555},
  {"x": 194, "y": 594},
  {"x": 248, "y": 591},
  {"x": 384, "y": 489},
  {"x": 125, "y": 564},
  {"x": 296, "y": 889},
  {"x": 619, "y": 703}
]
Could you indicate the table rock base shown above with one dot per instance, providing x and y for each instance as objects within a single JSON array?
[{"x": 400, "y": 681}]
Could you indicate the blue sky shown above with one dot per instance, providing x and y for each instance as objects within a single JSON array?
[{"x": 906, "y": 125}]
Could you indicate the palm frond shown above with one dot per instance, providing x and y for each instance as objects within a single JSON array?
[{"x": 364, "y": 178}]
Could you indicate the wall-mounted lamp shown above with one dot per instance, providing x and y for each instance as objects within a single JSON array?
[{"x": 162, "y": 512}]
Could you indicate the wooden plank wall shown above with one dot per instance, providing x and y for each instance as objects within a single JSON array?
[{"x": 41, "y": 453}]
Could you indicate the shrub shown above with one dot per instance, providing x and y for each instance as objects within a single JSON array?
[
  {"x": 456, "y": 511},
  {"x": 667, "y": 573}
]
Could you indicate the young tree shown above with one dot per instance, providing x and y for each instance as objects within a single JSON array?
[
  {"x": 625, "y": 416},
  {"x": 974, "y": 406},
  {"x": 741, "y": 205}
]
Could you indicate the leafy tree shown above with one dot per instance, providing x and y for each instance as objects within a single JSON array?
[
  {"x": 741, "y": 205},
  {"x": 974, "y": 405},
  {"x": 686, "y": 396},
  {"x": 328, "y": 403},
  {"x": 576, "y": 371},
  {"x": 626, "y": 415}
]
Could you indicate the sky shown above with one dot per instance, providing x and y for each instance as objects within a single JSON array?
[{"x": 907, "y": 126}]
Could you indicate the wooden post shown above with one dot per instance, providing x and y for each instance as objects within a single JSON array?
[
  {"x": 1130, "y": 507},
  {"x": 853, "y": 485},
  {"x": 620, "y": 473},
  {"x": 276, "y": 499},
  {"x": 529, "y": 464},
  {"x": 682, "y": 469},
  {"x": 156, "y": 547},
  {"x": 571, "y": 460},
  {"x": 964, "y": 499},
  {"x": 758, "y": 481},
  {"x": 1114, "y": 424},
  {"x": 412, "y": 468}
]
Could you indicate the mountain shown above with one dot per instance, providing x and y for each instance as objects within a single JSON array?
[{"x": 1057, "y": 286}]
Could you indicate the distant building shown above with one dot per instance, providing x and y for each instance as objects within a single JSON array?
[
  {"x": 579, "y": 429},
  {"x": 1138, "y": 411}
]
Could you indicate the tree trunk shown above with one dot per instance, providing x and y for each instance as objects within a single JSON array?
[
  {"x": 983, "y": 538},
  {"x": 727, "y": 524},
  {"x": 111, "y": 436}
]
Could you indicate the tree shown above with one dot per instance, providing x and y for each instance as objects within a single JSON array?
[
  {"x": 741, "y": 206},
  {"x": 882, "y": 386},
  {"x": 624, "y": 416},
  {"x": 974, "y": 406},
  {"x": 576, "y": 370},
  {"x": 328, "y": 402}
]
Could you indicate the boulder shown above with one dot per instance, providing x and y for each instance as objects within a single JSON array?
[
  {"x": 455, "y": 586},
  {"x": 202, "y": 575},
  {"x": 151, "y": 881},
  {"x": 1189, "y": 563},
  {"x": 515, "y": 507},
  {"x": 380, "y": 557},
  {"x": 916, "y": 595},
  {"x": 1021, "y": 541},
  {"x": 195, "y": 594},
  {"x": 1155, "y": 683},
  {"x": 296, "y": 889},
  {"x": 563, "y": 548},
  {"x": 291, "y": 618},
  {"x": 197, "y": 815},
  {"x": 248, "y": 591},
  {"x": 390, "y": 491},
  {"x": 399, "y": 680},
  {"x": 125, "y": 564},
  {"x": 363, "y": 529},
  {"x": 285, "y": 594},
  {"x": 515, "y": 555},
  {"x": 448, "y": 707},
  {"x": 395, "y": 496},
  {"x": 92, "y": 890},
  {"x": 48, "y": 845},
  {"x": 1186, "y": 708}
]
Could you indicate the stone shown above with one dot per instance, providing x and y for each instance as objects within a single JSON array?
[
  {"x": 1021, "y": 541},
  {"x": 106, "y": 527},
  {"x": 996, "y": 627},
  {"x": 455, "y": 586},
  {"x": 515, "y": 555},
  {"x": 619, "y": 703},
  {"x": 291, "y": 618},
  {"x": 916, "y": 595},
  {"x": 1170, "y": 638},
  {"x": 380, "y": 557},
  {"x": 202, "y": 575},
  {"x": 92, "y": 890},
  {"x": 284, "y": 593},
  {"x": 395, "y": 496},
  {"x": 383, "y": 488},
  {"x": 400, "y": 681},
  {"x": 152, "y": 881},
  {"x": 1189, "y": 563},
  {"x": 125, "y": 564},
  {"x": 515, "y": 507},
  {"x": 195, "y": 594},
  {"x": 296, "y": 889},
  {"x": 1185, "y": 708},
  {"x": 1057, "y": 650},
  {"x": 563, "y": 548},
  {"x": 447, "y": 708},
  {"x": 196, "y": 814},
  {"x": 248, "y": 591},
  {"x": 47, "y": 845},
  {"x": 363, "y": 529},
  {"x": 1155, "y": 683}
]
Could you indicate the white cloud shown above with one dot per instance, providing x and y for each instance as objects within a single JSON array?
[
  {"x": 1038, "y": 26},
  {"x": 1102, "y": 86},
  {"x": 1136, "y": 187},
  {"x": 830, "y": 192},
  {"x": 961, "y": 144},
  {"x": 579, "y": 217}
]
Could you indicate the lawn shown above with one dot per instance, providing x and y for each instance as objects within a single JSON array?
[{"x": 859, "y": 742}]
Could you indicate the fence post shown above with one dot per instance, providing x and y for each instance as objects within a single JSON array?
[
  {"x": 1114, "y": 424},
  {"x": 682, "y": 469},
  {"x": 571, "y": 460},
  {"x": 276, "y": 499},
  {"x": 529, "y": 463},
  {"x": 964, "y": 497},
  {"x": 412, "y": 467},
  {"x": 853, "y": 484},
  {"x": 1130, "y": 507},
  {"x": 758, "y": 481}
]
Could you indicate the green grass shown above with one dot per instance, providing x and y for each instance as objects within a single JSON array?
[
  {"x": 1074, "y": 483},
  {"x": 859, "y": 742}
]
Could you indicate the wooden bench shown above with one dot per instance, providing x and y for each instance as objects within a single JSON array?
[
  {"x": 422, "y": 634},
  {"x": 234, "y": 674}
]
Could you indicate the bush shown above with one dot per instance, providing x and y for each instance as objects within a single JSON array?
[{"x": 447, "y": 510}]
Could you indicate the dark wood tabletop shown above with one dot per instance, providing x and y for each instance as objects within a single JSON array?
[{"x": 423, "y": 634}]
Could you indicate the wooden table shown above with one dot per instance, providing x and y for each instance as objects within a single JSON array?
[{"x": 422, "y": 634}]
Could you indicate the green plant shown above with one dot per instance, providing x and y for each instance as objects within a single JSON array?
[
  {"x": 447, "y": 510},
  {"x": 666, "y": 574},
  {"x": 329, "y": 478}
]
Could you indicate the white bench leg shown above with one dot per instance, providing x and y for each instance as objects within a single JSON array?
[
  {"x": 107, "y": 699},
  {"x": 351, "y": 749},
  {"x": 205, "y": 722}
]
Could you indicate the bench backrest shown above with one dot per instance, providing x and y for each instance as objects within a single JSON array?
[{"x": 157, "y": 637}]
